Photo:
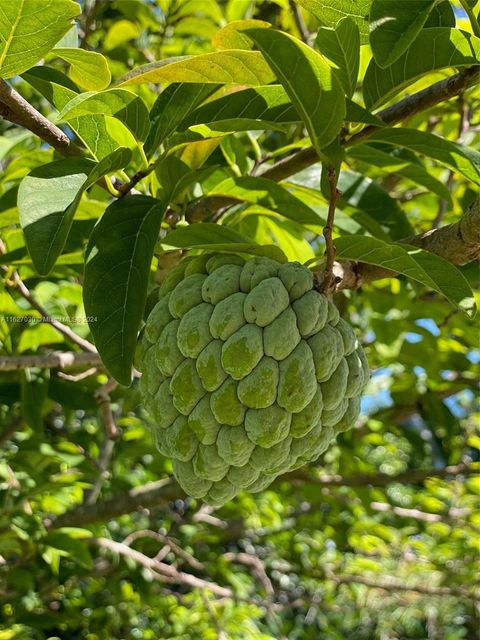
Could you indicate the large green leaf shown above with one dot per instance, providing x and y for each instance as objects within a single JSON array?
[
  {"x": 260, "y": 108},
  {"x": 434, "y": 49},
  {"x": 393, "y": 29},
  {"x": 171, "y": 107},
  {"x": 401, "y": 165},
  {"x": 442, "y": 15},
  {"x": 455, "y": 156},
  {"x": 88, "y": 69},
  {"x": 309, "y": 81},
  {"x": 118, "y": 103},
  {"x": 329, "y": 12},
  {"x": 117, "y": 265},
  {"x": 364, "y": 195},
  {"x": 267, "y": 194},
  {"x": 29, "y": 29},
  {"x": 205, "y": 233},
  {"x": 267, "y": 104},
  {"x": 341, "y": 45},
  {"x": 215, "y": 237},
  {"x": 48, "y": 198},
  {"x": 348, "y": 222},
  {"x": 424, "y": 267},
  {"x": 220, "y": 67},
  {"x": 58, "y": 89}
]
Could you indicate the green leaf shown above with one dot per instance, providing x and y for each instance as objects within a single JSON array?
[
  {"x": 58, "y": 89},
  {"x": 29, "y": 29},
  {"x": 70, "y": 546},
  {"x": 435, "y": 49},
  {"x": 48, "y": 198},
  {"x": 87, "y": 68},
  {"x": 70, "y": 39},
  {"x": 341, "y": 45},
  {"x": 348, "y": 218},
  {"x": 267, "y": 194},
  {"x": 393, "y": 29},
  {"x": 220, "y": 67},
  {"x": 231, "y": 36},
  {"x": 401, "y": 165},
  {"x": 204, "y": 233},
  {"x": 442, "y": 15},
  {"x": 424, "y": 267},
  {"x": 214, "y": 237},
  {"x": 118, "y": 103},
  {"x": 309, "y": 81},
  {"x": 363, "y": 194},
  {"x": 329, "y": 12},
  {"x": 171, "y": 107},
  {"x": 260, "y": 108},
  {"x": 117, "y": 265},
  {"x": 120, "y": 33},
  {"x": 455, "y": 156},
  {"x": 119, "y": 159},
  {"x": 357, "y": 113},
  {"x": 268, "y": 104}
]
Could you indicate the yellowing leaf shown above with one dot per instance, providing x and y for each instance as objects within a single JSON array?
[{"x": 87, "y": 68}]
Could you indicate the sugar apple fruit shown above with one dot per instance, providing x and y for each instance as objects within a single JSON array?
[{"x": 248, "y": 372}]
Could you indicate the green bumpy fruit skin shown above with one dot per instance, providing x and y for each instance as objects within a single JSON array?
[{"x": 248, "y": 372}]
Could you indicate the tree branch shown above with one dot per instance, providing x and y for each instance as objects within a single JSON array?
[
  {"x": 52, "y": 360},
  {"x": 161, "y": 571},
  {"x": 458, "y": 243},
  {"x": 436, "y": 93},
  {"x": 412, "y": 476},
  {"x": 157, "y": 494},
  {"x": 406, "y": 108},
  {"x": 417, "y": 514},
  {"x": 393, "y": 584},
  {"x": 161, "y": 493},
  {"x": 17, "y": 110},
  {"x": 168, "y": 543}
]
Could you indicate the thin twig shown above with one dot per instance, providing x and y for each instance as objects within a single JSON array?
[
  {"x": 79, "y": 376},
  {"x": 102, "y": 396},
  {"x": 393, "y": 584},
  {"x": 165, "y": 540},
  {"x": 328, "y": 285},
  {"x": 160, "y": 570},
  {"x": 257, "y": 566},
  {"x": 412, "y": 476},
  {"x": 103, "y": 464},
  {"x": 125, "y": 188},
  {"x": 299, "y": 21},
  {"x": 90, "y": 12},
  {"x": 17, "y": 283},
  {"x": 417, "y": 514}
]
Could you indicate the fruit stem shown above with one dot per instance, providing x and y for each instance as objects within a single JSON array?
[{"x": 329, "y": 282}]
